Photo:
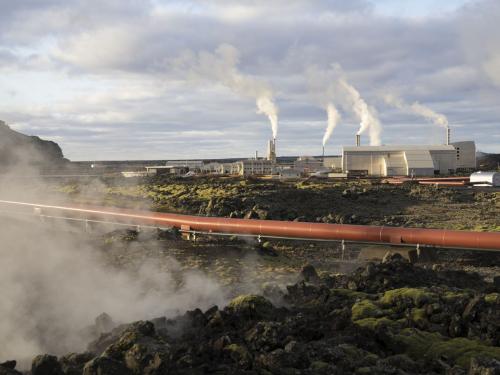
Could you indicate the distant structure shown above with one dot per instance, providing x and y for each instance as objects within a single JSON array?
[
  {"x": 358, "y": 160},
  {"x": 254, "y": 167},
  {"x": 307, "y": 164},
  {"x": 466, "y": 155},
  {"x": 409, "y": 160},
  {"x": 333, "y": 163},
  {"x": 271, "y": 150}
]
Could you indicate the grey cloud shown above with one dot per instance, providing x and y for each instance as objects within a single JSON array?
[{"x": 440, "y": 61}]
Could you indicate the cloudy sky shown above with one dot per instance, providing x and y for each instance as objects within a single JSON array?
[{"x": 160, "y": 79}]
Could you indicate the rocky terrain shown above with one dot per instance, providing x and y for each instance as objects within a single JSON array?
[
  {"x": 317, "y": 200},
  {"x": 295, "y": 307},
  {"x": 388, "y": 318},
  {"x": 20, "y": 150}
]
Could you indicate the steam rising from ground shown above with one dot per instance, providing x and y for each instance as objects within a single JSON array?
[
  {"x": 418, "y": 109},
  {"x": 333, "y": 120},
  {"x": 54, "y": 283},
  {"x": 222, "y": 67}
]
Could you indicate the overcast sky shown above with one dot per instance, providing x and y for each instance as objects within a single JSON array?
[{"x": 139, "y": 79}]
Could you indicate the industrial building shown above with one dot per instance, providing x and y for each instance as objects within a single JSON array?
[
  {"x": 333, "y": 163},
  {"x": 254, "y": 167},
  {"x": 307, "y": 164},
  {"x": 377, "y": 161},
  {"x": 166, "y": 169},
  {"x": 408, "y": 160},
  {"x": 466, "y": 155}
]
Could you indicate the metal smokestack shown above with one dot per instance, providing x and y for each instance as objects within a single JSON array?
[
  {"x": 448, "y": 135},
  {"x": 358, "y": 140},
  {"x": 271, "y": 150}
]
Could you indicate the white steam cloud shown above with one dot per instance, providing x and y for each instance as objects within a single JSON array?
[
  {"x": 366, "y": 115},
  {"x": 54, "y": 284},
  {"x": 418, "y": 109},
  {"x": 330, "y": 86},
  {"x": 222, "y": 67},
  {"x": 333, "y": 120},
  {"x": 56, "y": 281}
]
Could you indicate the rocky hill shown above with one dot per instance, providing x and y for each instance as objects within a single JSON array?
[
  {"x": 488, "y": 162},
  {"x": 17, "y": 149}
]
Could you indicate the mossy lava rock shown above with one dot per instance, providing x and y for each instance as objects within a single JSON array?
[{"x": 250, "y": 306}]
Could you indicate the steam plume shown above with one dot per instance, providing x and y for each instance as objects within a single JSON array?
[
  {"x": 366, "y": 115},
  {"x": 55, "y": 281},
  {"x": 333, "y": 120},
  {"x": 266, "y": 106},
  {"x": 418, "y": 109},
  {"x": 221, "y": 67},
  {"x": 331, "y": 86}
]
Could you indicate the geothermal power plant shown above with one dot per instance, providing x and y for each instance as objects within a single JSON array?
[{"x": 356, "y": 160}]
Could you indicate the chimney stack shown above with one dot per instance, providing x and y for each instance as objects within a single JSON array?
[
  {"x": 448, "y": 135},
  {"x": 271, "y": 150},
  {"x": 358, "y": 140}
]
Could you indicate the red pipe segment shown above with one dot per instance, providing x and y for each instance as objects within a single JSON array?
[{"x": 274, "y": 228}]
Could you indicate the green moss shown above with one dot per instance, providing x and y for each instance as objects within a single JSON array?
[
  {"x": 419, "y": 316},
  {"x": 374, "y": 323},
  {"x": 352, "y": 351},
  {"x": 238, "y": 353},
  {"x": 348, "y": 293},
  {"x": 418, "y": 344},
  {"x": 461, "y": 350},
  {"x": 235, "y": 348},
  {"x": 452, "y": 296},
  {"x": 250, "y": 304},
  {"x": 418, "y": 296},
  {"x": 492, "y": 298},
  {"x": 365, "y": 309}
]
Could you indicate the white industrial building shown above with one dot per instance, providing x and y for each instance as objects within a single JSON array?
[
  {"x": 254, "y": 167},
  {"x": 333, "y": 162},
  {"x": 466, "y": 155},
  {"x": 192, "y": 165},
  {"x": 408, "y": 160}
]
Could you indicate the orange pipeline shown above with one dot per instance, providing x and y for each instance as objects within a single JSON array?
[{"x": 274, "y": 228}]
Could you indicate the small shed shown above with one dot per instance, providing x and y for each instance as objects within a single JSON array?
[{"x": 485, "y": 179}]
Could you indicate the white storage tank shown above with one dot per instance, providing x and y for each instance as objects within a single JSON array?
[{"x": 485, "y": 179}]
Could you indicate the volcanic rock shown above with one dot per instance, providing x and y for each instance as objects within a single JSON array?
[
  {"x": 46, "y": 365},
  {"x": 9, "y": 368},
  {"x": 105, "y": 366}
]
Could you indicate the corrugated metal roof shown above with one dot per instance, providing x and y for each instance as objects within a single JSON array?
[{"x": 400, "y": 148}]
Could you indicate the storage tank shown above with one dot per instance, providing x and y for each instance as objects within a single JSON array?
[{"x": 485, "y": 179}]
